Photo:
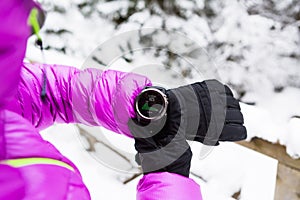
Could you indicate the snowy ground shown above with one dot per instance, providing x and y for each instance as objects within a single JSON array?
[
  {"x": 257, "y": 56},
  {"x": 228, "y": 169}
]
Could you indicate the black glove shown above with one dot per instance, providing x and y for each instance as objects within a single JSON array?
[
  {"x": 165, "y": 151},
  {"x": 208, "y": 112},
  {"x": 204, "y": 111}
]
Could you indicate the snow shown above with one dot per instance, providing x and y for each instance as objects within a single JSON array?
[
  {"x": 252, "y": 54},
  {"x": 230, "y": 168},
  {"x": 111, "y": 7},
  {"x": 227, "y": 169},
  {"x": 272, "y": 118},
  {"x": 101, "y": 181}
]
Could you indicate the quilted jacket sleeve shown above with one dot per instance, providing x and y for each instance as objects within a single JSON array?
[
  {"x": 91, "y": 96},
  {"x": 165, "y": 186},
  {"x": 96, "y": 98}
]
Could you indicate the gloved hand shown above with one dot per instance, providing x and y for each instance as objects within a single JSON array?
[
  {"x": 208, "y": 112},
  {"x": 204, "y": 111},
  {"x": 165, "y": 151}
]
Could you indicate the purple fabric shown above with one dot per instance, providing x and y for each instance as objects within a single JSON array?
[
  {"x": 105, "y": 98},
  {"x": 52, "y": 182},
  {"x": 13, "y": 37},
  {"x": 167, "y": 186},
  {"x": 22, "y": 140},
  {"x": 90, "y": 97},
  {"x": 12, "y": 185},
  {"x": 57, "y": 106},
  {"x": 18, "y": 138},
  {"x": 14, "y": 32}
]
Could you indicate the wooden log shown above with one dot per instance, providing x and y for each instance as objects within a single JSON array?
[{"x": 287, "y": 184}]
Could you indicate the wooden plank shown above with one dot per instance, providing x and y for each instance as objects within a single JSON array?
[
  {"x": 275, "y": 151},
  {"x": 287, "y": 184}
]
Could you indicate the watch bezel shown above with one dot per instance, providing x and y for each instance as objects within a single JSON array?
[{"x": 163, "y": 111}]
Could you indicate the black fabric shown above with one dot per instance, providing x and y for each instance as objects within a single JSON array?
[
  {"x": 166, "y": 151},
  {"x": 225, "y": 123},
  {"x": 204, "y": 111}
]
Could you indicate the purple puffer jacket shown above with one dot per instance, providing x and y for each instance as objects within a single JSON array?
[{"x": 31, "y": 168}]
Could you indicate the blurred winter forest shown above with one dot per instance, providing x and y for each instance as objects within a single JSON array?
[
  {"x": 254, "y": 46},
  {"x": 254, "y": 43}
]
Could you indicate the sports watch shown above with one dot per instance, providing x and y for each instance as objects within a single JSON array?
[{"x": 151, "y": 104}]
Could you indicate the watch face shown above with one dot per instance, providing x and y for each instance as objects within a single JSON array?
[{"x": 151, "y": 104}]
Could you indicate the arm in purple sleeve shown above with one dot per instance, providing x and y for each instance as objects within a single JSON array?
[
  {"x": 164, "y": 185},
  {"x": 77, "y": 96},
  {"x": 89, "y": 96}
]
